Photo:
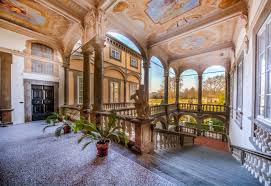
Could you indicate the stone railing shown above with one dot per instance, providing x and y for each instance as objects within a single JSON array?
[
  {"x": 190, "y": 130},
  {"x": 120, "y": 105},
  {"x": 207, "y": 108},
  {"x": 165, "y": 139},
  {"x": 72, "y": 112},
  {"x": 262, "y": 138},
  {"x": 126, "y": 112},
  {"x": 139, "y": 131},
  {"x": 203, "y": 132},
  {"x": 257, "y": 163}
]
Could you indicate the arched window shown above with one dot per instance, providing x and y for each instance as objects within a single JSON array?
[
  {"x": 38, "y": 65},
  {"x": 41, "y": 50}
]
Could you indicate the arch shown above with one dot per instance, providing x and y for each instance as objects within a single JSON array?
[
  {"x": 114, "y": 68},
  {"x": 193, "y": 115},
  {"x": 71, "y": 39},
  {"x": 133, "y": 74},
  {"x": 214, "y": 124},
  {"x": 213, "y": 68},
  {"x": 160, "y": 120},
  {"x": 173, "y": 117},
  {"x": 133, "y": 39},
  {"x": 222, "y": 118}
]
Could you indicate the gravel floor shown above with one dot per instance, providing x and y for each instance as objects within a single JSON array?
[{"x": 29, "y": 157}]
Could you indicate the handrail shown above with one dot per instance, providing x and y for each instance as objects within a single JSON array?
[{"x": 256, "y": 153}]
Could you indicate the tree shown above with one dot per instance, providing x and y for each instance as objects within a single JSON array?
[{"x": 214, "y": 88}]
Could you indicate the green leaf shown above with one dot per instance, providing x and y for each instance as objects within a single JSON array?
[
  {"x": 47, "y": 126},
  {"x": 86, "y": 144},
  {"x": 58, "y": 131}
]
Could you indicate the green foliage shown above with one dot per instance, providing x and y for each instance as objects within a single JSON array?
[
  {"x": 92, "y": 132},
  {"x": 55, "y": 119}
]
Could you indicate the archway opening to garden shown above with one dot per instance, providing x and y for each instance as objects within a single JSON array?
[
  {"x": 213, "y": 85},
  {"x": 189, "y": 87}
]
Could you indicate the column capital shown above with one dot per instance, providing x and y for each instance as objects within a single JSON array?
[
  {"x": 177, "y": 78},
  {"x": 66, "y": 61},
  {"x": 146, "y": 65}
]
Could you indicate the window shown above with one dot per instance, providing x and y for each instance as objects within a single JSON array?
[
  {"x": 115, "y": 54},
  {"x": 263, "y": 73},
  {"x": 41, "y": 51},
  {"x": 42, "y": 67},
  {"x": 231, "y": 93},
  {"x": 114, "y": 91},
  {"x": 133, "y": 88},
  {"x": 80, "y": 89},
  {"x": 133, "y": 63},
  {"x": 239, "y": 99}
]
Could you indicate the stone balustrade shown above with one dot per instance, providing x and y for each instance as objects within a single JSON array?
[
  {"x": 165, "y": 140},
  {"x": 207, "y": 108},
  {"x": 257, "y": 163},
  {"x": 113, "y": 106},
  {"x": 262, "y": 138}
]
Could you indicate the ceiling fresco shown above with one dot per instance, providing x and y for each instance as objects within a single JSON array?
[
  {"x": 33, "y": 16},
  {"x": 214, "y": 35},
  {"x": 161, "y": 11}
]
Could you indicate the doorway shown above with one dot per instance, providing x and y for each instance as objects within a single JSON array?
[{"x": 42, "y": 101}]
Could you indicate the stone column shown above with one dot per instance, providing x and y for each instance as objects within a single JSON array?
[
  {"x": 177, "y": 88},
  {"x": 200, "y": 88},
  {"x": 146, "y": 67},
  {"x": 98, "y": 44},
  {"x": 166, "y": 74},
  {"x": 66, "y": 66},
  {"x": 87, "y": 51},
  {"x": 125, "y": 91}
]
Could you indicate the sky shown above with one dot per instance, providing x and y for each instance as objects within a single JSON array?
[
  {"x": 190, "y": 77},
  {"x": 124, "y": 40}
]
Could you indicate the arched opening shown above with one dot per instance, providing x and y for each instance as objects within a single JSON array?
[
  {"x": 188, "y": 121},
  {"x": 171, "y": 86},
  {"x": 189, "y": 86},
  {"x": 124, "y": 40},
  {"x": 157, "y": 82},
  {"x": 213, "y": 124},
  {"x": 213, "y": 85}
]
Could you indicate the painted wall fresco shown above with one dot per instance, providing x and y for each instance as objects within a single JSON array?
[
  {"x": 21, "y": 13},
  {"x": 161, "y": 11}
]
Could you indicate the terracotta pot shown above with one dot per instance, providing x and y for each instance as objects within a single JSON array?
[
  {"x": 102, "y": 148},
  {"x": 67, "y": 129}
]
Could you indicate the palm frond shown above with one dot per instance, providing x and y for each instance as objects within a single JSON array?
[
  {"x": 47, "y": 126},
  {"x": 58, "y": 131},
  {"x": 86, "y": 144}
]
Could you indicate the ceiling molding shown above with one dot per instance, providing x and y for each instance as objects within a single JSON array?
[
  {"x": 202, "y": 51},
  {"x": 60, "y": 9},
  {"x": 30, "y": 33},
  {"x": 230, "y": 13}
]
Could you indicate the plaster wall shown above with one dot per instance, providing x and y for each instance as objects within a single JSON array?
[{"x": 240, "y": 136}]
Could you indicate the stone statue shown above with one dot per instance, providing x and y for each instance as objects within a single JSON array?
[{"x": 141, "y": 103}]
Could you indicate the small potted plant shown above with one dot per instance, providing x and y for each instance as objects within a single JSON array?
[
  {"x": 103, "y": 135},
  {"x": 56, "y": 119}
]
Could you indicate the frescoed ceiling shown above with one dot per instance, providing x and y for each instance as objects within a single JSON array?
[
  {"x": 33, "y": 16},
  {"x": 178, "y": 28}
]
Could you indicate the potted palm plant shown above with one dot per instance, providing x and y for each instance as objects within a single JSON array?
[
  {"x": 103, "y": 135},
  {"x": 62, "y": 121}
]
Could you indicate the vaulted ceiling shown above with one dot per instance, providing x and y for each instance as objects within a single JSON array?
[{"x": 179, "y": 29}]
